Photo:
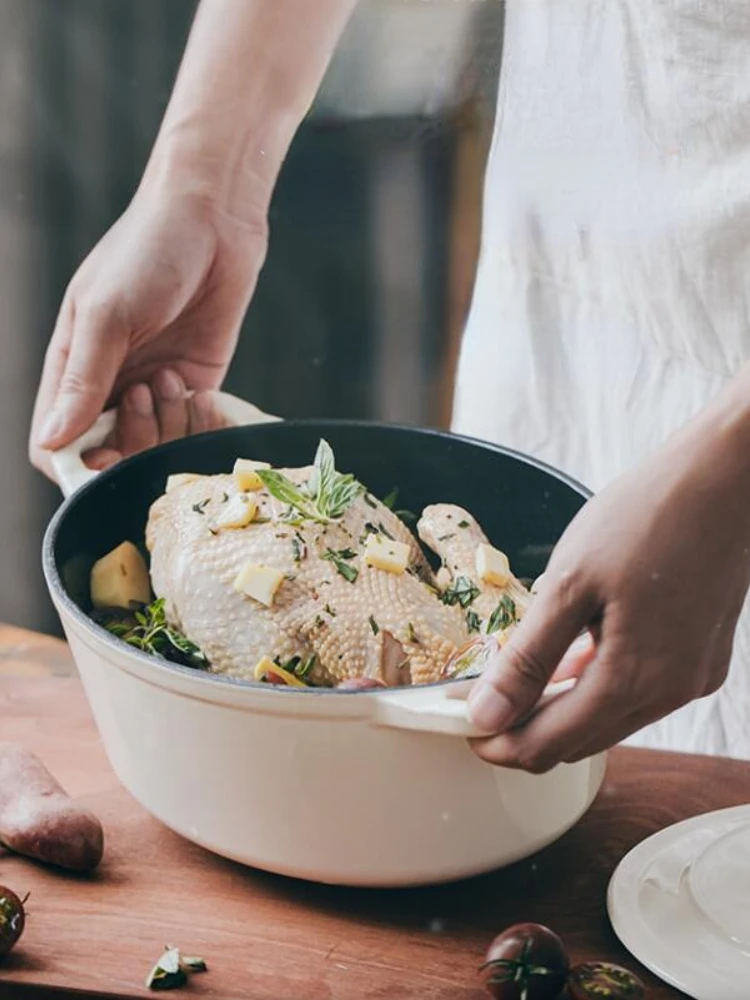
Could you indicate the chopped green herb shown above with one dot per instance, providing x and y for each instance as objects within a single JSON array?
[
  {"x": 446, "y": 538},
  {"x": 146, "y": 628},
  {"x": 200, "y": 507},
  {"x": 384, "y": 531},
  {"x": 225, "y": 498},
  {"x": 297, "y": 666},
  {"x": 318, "y": 623},
  {"x": 462, "y": 592},
  {"x": 503, "y": 616},
  {"x": 463, "y": 524},
  {"x": 370, "y": 502},
  {"x": 374, "y": 626},
  {"x": 411, "y": 634},
  {"x": 299, "y": 547},
  {"x": 329, "y": 611},
  {"x": 339, "y": 560},
  {"x": 473, "y": 621}
]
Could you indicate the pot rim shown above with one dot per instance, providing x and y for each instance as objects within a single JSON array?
[{"x": 163, "y": 668}]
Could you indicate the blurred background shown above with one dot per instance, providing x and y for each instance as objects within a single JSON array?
[{"x": 374, "y": 228}]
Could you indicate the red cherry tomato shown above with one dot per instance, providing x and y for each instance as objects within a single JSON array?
[
  {"x": 12, "y": 919},
  {"x": 526, "y": 962},
  {"x": 604, "y": 981}
]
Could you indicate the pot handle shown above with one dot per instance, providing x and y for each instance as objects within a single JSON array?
[
  {"x": 441, "y": 708},
  {"x": 71, "y": 472}
]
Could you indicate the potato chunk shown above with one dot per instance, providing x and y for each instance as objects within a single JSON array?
[{"x": 120, "y": 578}]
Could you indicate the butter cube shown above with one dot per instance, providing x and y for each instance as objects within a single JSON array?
[
  {"x": 120, "y": 578},
  {"x": 180, "y": 479},
  {"x": 259, "y": 582},
  {"x": 238, "y": 512},
  {"x": 381, "y": 552},
  {"x": 492, "y": 565},
  {"x": 246, "y": 474}
]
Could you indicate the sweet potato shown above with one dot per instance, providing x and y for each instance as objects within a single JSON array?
[{"x": 39, "y": 820}]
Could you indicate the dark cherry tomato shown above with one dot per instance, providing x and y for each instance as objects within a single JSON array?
[
  {"x": 604, "y": 981},
  {"x": 12, "y": 919},
  {"x": 360, "y": 684},
  {"x": 526, "y": 962}
]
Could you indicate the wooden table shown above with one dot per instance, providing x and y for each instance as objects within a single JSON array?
[{"x": 268, "y": 938}]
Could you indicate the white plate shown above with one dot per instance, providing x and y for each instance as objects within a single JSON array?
[{"x": 680, "y": 903}]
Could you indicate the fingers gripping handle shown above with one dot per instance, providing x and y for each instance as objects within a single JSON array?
[
  {"x": 442, "y": 708},
  {"x": 71, "y": 472}
]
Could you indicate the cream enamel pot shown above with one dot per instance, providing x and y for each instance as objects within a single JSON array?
[{"x": 354, "y": 788}]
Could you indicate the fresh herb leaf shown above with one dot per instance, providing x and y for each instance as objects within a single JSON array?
[
  {"x": 200, "y": 507},
  {"x": 411, "y": 635},
  {"x": 462, "y": 592},
  {"x": 374, "y": 626},
  {"x": 336, "y": 492},
  {"x": 285, "y": 491},
  {"x": 390, "y": 500},
  {"x": 504, "y": 615},
  {"x": 473, "y": 621},
  {"x": 463, "y": 524},
  {"x": 147, "y": 629},
  {"x": 326, "y": 497},
  {"x": 339, "y": 560}
]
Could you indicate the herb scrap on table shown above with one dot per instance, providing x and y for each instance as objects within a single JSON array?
[{"x": 172, "y": 970}]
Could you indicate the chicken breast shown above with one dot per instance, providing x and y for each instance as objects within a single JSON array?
[{"x": 348, "y": 618}]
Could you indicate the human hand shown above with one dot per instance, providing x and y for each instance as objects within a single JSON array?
[
  {"x": 152, "y": 313},
  {"x": 656, "y": 568}
]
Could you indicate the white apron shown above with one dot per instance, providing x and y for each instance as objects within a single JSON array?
[{"x": 613, "y": 293}]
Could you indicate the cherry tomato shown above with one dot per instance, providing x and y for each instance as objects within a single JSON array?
[
  {"x": 604, "y": 981},
  {"x": 12, "y": 919},
  {"x": 526, "y": 962}
]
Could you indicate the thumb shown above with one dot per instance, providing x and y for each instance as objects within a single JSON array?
[
  {"x": 88, "y": 373},
  {"x": 514, "y": 680}
]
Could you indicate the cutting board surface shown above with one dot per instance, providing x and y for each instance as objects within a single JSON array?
[{"x": 268, "y": 938}]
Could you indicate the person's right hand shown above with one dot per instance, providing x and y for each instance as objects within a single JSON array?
[{"x": 153, "y": 313}]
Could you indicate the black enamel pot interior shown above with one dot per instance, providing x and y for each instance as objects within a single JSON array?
[{"x": 523, "y": 505}]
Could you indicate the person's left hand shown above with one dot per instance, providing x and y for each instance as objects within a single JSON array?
[{"x": 656, "y": 567}]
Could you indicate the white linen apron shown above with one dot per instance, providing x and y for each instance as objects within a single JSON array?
[{"x": 612, "y": 299}]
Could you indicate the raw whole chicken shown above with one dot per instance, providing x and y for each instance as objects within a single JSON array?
[{"x": 336, "y": 610}]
